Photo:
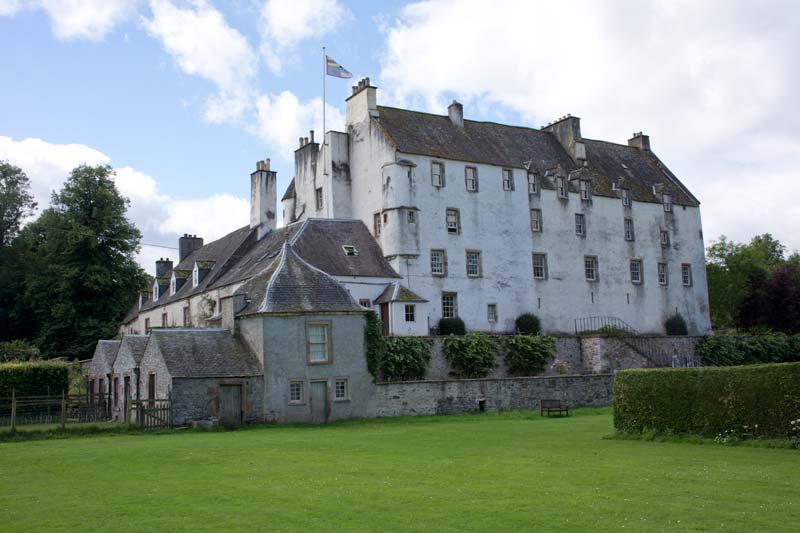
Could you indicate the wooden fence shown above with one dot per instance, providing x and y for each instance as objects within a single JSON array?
[{"x": 151, "y": 414}]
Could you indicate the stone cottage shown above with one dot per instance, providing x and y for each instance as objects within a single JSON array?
[
  {"x": 126, "y": 372},
  {"x": 100, "y": 372}
]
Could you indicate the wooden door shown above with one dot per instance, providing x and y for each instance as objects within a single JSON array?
[
  {"x": 385, "y": 319},
  {"x": 319, "y": 402},
  {"x": 127, "y": 397},
  {"x": 230, "y": 406}
]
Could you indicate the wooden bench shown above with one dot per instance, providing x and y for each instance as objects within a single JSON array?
[{"x": 553, "y": 406}]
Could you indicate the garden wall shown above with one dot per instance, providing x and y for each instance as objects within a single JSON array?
[{"x": 465, "y": 396}]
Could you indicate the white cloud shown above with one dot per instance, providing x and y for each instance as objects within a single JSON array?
[
  {"x": 202, "y": 44},
  {"x": 160, "y": 218},
  {"x": 283, "y": 118},
  {"x": 286, "y": 23},
  {"x": 714, "y": 84},
  {"x": 77, "y": 19}
]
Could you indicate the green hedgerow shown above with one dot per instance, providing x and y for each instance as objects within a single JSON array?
[{"x": 527, "y": 354}]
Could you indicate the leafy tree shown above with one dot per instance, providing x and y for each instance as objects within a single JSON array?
[
  {"x": 774, "y": 302},
  {"x": 80, "y": 271},
  {"x": 16, "y": 201}
]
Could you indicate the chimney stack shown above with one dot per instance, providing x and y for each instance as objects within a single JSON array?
[
  {"x": 456, "y": 112},
  {"x": 311, "y": 136},
  {"x": 188, "y": 244},
  {"x": 163, "y": 265},
  {"x": 362, "y": 103},
  {"x": 642, "y": 142},
  {"x": 263, "y": 198},
  {"x": 567, "y": 130}
]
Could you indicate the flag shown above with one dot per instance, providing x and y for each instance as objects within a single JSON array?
[{"x": 332, "y": 68}]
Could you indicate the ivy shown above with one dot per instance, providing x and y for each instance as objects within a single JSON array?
[
  {"x": 374, "y": 343},
  {"x": 406, "y": 358},
  {"x": 527, "y": 355},
  {"x": 472, "y": 355}
]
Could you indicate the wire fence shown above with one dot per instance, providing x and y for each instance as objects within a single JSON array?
[{"x": 17, "y": 411}]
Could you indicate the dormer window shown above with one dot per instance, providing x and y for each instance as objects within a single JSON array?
[
  {"x": 172, "y": 284},
  {"x": 437, "y": 174},
  {"x": 626, "y": 197},
  {"x": 561, "y": 187},
  {"x": 586, "y": 190},
  {"x": 350, "y": 250},
  {"x": 195, "y": 276},
  {"x": 666, "y": 199},
  {"x": 155, "y": 291},
  {"x": 508, "y": 179},
  {"x": 533, "y": 184}
]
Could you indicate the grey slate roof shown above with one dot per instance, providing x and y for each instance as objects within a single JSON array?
[
  {"x": 394, "y": 292},
  {"x": 419, "y": 133},
  {"x": 104, "y": 355},
  {"x": 136, "y": 344},
  {"x": 290, "y": 192},
  {"x": 205, "y": 353}
]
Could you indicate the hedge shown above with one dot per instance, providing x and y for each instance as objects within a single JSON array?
[
  {"x": 760, "y": 400},
  {"x": 34, "y": 379},
  {"x": 373, "y": 343},
  {"x": 528, "y": 354},
  {"x": 725, "y": 350},
  {"x": 471, "y": 355},
  {"x": 406, "y": 358}
]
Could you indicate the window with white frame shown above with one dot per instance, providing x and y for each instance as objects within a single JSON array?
[
  {"x": 629, "y": 236},
  {"x": 319, "y": 199},
  {"x": 533, "y": 183},
  {"x": 471, "y": 179},
  {"x": 453, "y": 220},
  {"x": 561, "y": 187},
  {"x": 195, "y": 276},
  {"x": 318, "y": 342},
  {"x": 411, "y": 313},
  {"x": 590, "y": 267},
  {"x": 586, "y": 190},
  {"x": 473, "y": 263},
  {"x": 376, "y": 224},
  {"x": 664, "y": 238},
  {"x": 536, "y": 220},
  {"x": 491, "y": 312},
  {"x": 580, "y": 224},
  {"x": 663, "y": 279},
  {"x": 636, "y": 270},
  {"x": 438, "y": 262},
  {"x": 666, "y": 199},
  {"x": 449, "y": 309},
  {"x": 296, "y": 391},
  {"x": 173, "y": 283},
  {"x": 626, "y": 197},
  {"x": 437, "y": 174},
  {"x": 341, "y": 389},
  {"x": 508, "y": 179},
  {"x": 686, "y": 274},
  {"x": 539, "y": 266}
]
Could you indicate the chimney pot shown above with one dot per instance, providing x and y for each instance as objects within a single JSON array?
[
  {"x": 311, "y": 135},
  {"x": 640, "y": 141}
]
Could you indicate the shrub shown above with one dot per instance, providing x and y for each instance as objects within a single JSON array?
[
  {"x": 406, "y": 358},
  {"x": 471, "y": 355},
  {"x": 527, "y": 324},
  {"x": 452, "y": 326},
  {"x": 34, "y": 378},
  {"x": 725, "y": 350},
  {"x": 759, "y": 399},
  {"x": 373, "y": 343},
  {"x": 676, "y": 325},
  {"x": 18, "y": 350},
  {"x": 527, "y": 354}
]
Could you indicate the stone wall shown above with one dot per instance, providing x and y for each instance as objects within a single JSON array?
[
  {"x": 199, "y": 398},
  {"x": 474, "y": 395},
  {"x": 609, "y": 354}
]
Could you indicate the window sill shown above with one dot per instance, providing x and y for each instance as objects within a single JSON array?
[
  {"x": 326, "y": 362},
  {"x": 341, "y": 400}
]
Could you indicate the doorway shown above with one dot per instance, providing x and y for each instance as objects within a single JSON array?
[
  {"x": 127, "y": 397},
  {"x": 319, "y": 402},
  {"x": 385, "y": 318},
  {"x": 230, "y": 406}
]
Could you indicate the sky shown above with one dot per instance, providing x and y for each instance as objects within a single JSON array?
[{"x": 183, "y": 97}]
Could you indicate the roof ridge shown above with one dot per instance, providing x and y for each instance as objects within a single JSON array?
[
  {"x": 274, "y": 276},
  {"x": 530, "y": 128}
]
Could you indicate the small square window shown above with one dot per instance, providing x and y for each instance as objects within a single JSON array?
[
  {"x": 473, "y": 264},
  {"x": 636, "y": 270},
  {"x": 411, "y": 313},
  {"x": 350, "y": 250},
  {"x": 686, "y": 274},
  {"x": 590, "y": 267},
  {"x": 586, "y": 190},
  {"x": 580, "y": 224},
  {"x": 453, "y": 221},
  {"x": 664, "y": 238},
  {"x": 341, "y": 389},
  {"x": 508, "y": 179},
  {"x": 533, "y": 183},
  {"x": 449, "y": 309},
  {"x": 491, "y": 312},
  {"x": 667, "y": 201},
  {"x": 376, "y": 224},
  {"x": 411, "y": 216},
  {"x": 626, "y": 197},
  {"x": 296, "y": 392},
  {"x": 629, "y": 236},
  {"x": 471, "y": 179},
  {"x": 561, "y": 187},
  {"x": 536, "y": 220},
  {"x": 438, "y": 262},
  {"x": 539, "y": 266},
  {"x": 318, "y": 343},
  {"x": 663, "y": 278},
  {"x": 319, "y": 199},
  {"x": 437, "y": 174},
  {"x": 365, "y": 303}
]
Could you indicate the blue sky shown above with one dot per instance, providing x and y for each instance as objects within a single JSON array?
[{"x": 183, "y": 96}]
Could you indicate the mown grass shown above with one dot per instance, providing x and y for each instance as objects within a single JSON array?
[{"x": 490, "y": 472}]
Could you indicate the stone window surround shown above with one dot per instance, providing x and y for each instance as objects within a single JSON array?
[
  {"x": 507, "y": 176},
  {"x": 580, "y": 224},
  {"x": 533, "y": 183},
  {"x": 586, "y": 190},
  {"x": 441, "y": 181},
  {"x": 479, "y": 264},
  {"x": 536, "y": 220},
  {"x": 456, "y": 215},
  {"x": 326, "y": 324},
  {"x": 636, "y": 279},
  {"x": 473, "y": 179},
  {"x": 542, "y": 266},
  {"x": 591, "y": 268},
  {"x": 630, "y": 235},
  {"x": 410, "y": 313},
  {"x": 491, "y": 312},
  {"x": 346, "y": 396},
  {"x": 319, "y": 198},
  {"x": 562, "y": 187},
  {"x": 454, "y": 311},
  {"x": 664, "y": 237},
  {"x": 301, "y": 389},
  {"x": 663, "y": 274},
  {"x": 686, "y": 274},
  {"x": 443, "y": 273}
]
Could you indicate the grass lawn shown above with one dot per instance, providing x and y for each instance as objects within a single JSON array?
[{"x": 485, "y": 472}]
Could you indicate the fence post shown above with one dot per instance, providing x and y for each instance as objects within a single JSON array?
[
  {"x": 63, "y": 411},
  {"x": 13, "y": 411}
]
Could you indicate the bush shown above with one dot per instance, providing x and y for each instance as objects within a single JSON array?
[
  {"x": 527, "y": 324},
  {"x": 373, "y": 343},
  {"x": 452, "y": 326},
  {"x": 34, "y": 379},
  {"x": 406, "y": 358},
  {"x": 726, "y": 350},
  {"x": 527, "y": 355},
  {"x": 676, "y": 325},
  {"x": 18, "y": 350},
  {"x": 760, "y": 400},
  {"x": 471, "y": 355}
]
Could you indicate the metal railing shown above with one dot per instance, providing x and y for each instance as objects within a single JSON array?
[{"x": 597, "y": 324}]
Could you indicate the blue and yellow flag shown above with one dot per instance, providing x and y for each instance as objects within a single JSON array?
[{"x": 332, "y": 68}]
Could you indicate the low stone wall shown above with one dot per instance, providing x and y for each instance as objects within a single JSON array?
[
  {"x": 609, "y": 354},
  {"x": 472, "y": 395},
  {"x": 199, "y": 398}
]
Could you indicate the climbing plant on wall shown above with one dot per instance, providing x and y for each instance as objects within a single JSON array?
[
  {"x": 374, "y": 343},
  {"x": 527, "y": 354},
  {"x": 471, "y": 355},
  {"x": 406, "y": 358}
]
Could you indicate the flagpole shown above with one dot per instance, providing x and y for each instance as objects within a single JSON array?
[{"x": 324, "y": 99}]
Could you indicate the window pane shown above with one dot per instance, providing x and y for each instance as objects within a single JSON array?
[
  {"x": 473, "y": 264},
  {"x": 448, "y": 306},
  {"x": 437, "y": 261},
  {"x": 340, "y": 389},
  {"x": 318, "y": 342},
  {"x": 410, "y": 313},
  {"x": 539, "y": 266}
]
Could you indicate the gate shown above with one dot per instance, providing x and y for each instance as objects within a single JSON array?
[{"x": 152, "y": 414}]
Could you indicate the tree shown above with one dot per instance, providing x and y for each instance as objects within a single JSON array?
[
  {"x": 80, "y": 271},
  {"x": 16, "y": 201},
  {"x": 774, "y": 303}
]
